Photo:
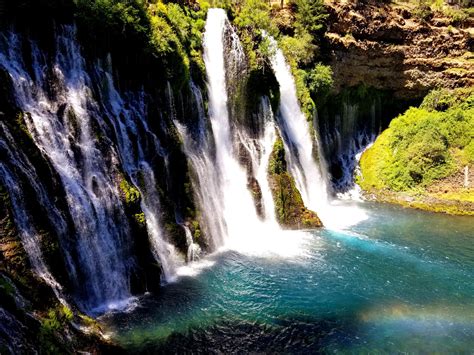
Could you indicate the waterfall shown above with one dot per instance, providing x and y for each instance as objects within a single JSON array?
[
  {"x": 237, "y": 201},
  {"x": 131, "y": 130},
  {"x": 61, "y": 125},
  {"x": 199, "y": 147},
  {"x": 194, "y": 250},
  {"x": 259, "y": 151},
  {"x": 302, "y": 157},
  {"x": 29, "y": 236},
  {"x": 221, "y": 183},
  {"x": 346, "y": 130}
]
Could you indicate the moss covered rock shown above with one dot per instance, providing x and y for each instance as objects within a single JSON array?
[{"x": 290, "y": 210}]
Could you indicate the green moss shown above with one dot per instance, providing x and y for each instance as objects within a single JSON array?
[
  {"x": 20, "y": 121},
  {"x": 67, "y": 313},
  {"x": 52, "y": 325},
  {"x": 469, "y": 152},
  {"x": 57, "y": 318},
  {"x": 196, "y": 230},
  {"x": 277, "y": 163},
  {"x": 373, "y": 162},
  {"x": 418, "y": 147},
  {"x": 459, "y": 203},
  {"x": 129, "y": 192},
  {"x": 140, "y": 218},
  {"x": 442, "y": 99}
]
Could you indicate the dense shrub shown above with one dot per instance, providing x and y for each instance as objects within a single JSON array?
[
  {"x": 168, "y": 32},
  {"x": 422, "y": 145},
  {"x": 319, "y": 81}
]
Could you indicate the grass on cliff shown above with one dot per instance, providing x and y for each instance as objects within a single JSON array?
[{"x": 423, "y": 145}]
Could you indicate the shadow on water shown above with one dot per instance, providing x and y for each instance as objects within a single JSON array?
[{"x": 291, "y": 334}]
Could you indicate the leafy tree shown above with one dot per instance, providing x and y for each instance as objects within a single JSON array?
[
  {"x": 319, "y": 80},
  {"x": 310, "y": 15},
  {"x": 254, "y": 15},
  {"x": 298, "y": 50}
]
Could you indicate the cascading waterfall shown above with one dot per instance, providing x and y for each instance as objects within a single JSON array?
[
  {"x": 194, "y": 250},
  {"x": 128, "y": 120},
  {"x": 28, "y": 234},
  {"x": 345, "y": 134},
  {"x": 299, "y": 147},
  {"x": 92, "y": 141},
  {"x": 237, "y": 203},
  {"x": 296, "y": 134},
  {"x": 70, "y": 145},
  {"x": 198, "y": 146},
  {"x": 259, "y": 151},
  {"x": 354, "y": 193}
]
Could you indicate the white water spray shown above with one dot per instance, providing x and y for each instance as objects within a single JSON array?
[
  {"x": 260, "y": 151},
  {"x": 237, "y": 203}
]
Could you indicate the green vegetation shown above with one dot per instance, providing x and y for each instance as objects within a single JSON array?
[
  {"x": 313, "y": 80},
  {"x": 169, "y": 32},
  {"x": 310, "y": 16},
  {"x": 299, "y": 41},
  {"x": 425, "y": 147},
  {"x": 251, "y": 17},
  {"x": 424, "y": 10},
  {"x": 51, "y": 325},
  {"x": 196, "y": 228},
  {"x": 129, "y": 192},
  {"x": 140, "y": 218},
  {"x": 57, "y": 317},
  {"x": 277, "y": 164}
]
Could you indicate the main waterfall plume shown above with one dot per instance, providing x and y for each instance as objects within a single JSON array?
[
  {"x": 228, "y": 208},
  {"x": 113, "y": 174}
]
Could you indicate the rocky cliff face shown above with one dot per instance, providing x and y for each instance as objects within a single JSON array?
[{"x": 387, "y": 47}]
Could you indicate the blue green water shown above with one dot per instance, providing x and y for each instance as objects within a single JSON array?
[{"x": 403, "y": 280}]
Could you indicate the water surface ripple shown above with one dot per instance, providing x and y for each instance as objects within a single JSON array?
[{"x": 400, "y": 281}]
